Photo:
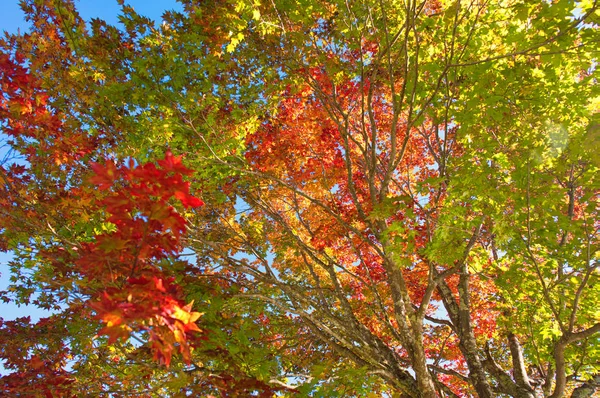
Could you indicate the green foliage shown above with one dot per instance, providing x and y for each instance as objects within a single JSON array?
[{"x": 394, "y": 193}]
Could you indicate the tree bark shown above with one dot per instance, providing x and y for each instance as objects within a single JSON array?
[{"x": 587, "y": 389}]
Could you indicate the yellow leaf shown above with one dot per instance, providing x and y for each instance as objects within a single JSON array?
[
  {"x": 184, "y": 316},
  {"x": 179, "y": 336},
  {"x": 112, "y": 319},
  {"x": 194, "y": 316}
]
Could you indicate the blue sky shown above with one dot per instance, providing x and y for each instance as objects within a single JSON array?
[{"x": 12, "y": 19}]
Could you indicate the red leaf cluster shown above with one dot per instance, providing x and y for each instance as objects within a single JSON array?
[
  {"x": 36, "y": 357},
  {"x": 27, "y": 117},
  {"x": 136, "y": 294},
  {"x": 148, "y": 304}
]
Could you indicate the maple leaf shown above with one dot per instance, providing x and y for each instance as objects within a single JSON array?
[
  {"x": 174, "y": 164},
  {"x": 104, "y": 175},
  {"x": 184, "y": 315},
  {"x": 188, "y": 200},
  {"x": 36, "y": 362}
]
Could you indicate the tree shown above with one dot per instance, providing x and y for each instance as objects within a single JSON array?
[{"x": 397, "y": 199}]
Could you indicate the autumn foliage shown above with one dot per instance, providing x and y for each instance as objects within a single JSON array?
[{"x": 321, "y": 199}]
